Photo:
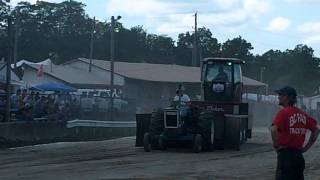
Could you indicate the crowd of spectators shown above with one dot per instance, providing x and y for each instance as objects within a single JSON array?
[{"x": 30, "y": 105}]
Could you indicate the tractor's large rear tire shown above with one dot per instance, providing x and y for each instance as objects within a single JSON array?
[
  {"x": 205, "y": 125},
  {"x": 156, "y": 127},
  {"x": 157, "y": 122}
]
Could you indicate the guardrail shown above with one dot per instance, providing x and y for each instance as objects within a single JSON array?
[
  {"x": 37, "y": 132},
  {"x": 109, "y": 124}
]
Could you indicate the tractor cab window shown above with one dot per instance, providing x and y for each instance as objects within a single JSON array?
[
  {"x": 219, "y": 72},
  {"x": 237, "y": 73}
]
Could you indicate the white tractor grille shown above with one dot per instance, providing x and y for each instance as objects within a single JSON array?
[{"x": 171, "y": 119}]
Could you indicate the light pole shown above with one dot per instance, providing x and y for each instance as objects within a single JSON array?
[
  {"x": 93, "y": 30},
  {"x": 112, "y": 44},
  {"x": 190, "y": 46},
  {"x": 200, "y": 53},
  {"x": 262, "y": 69},
  {"x": 195, "y": 41},
  {"x": 8, "y": 70}
]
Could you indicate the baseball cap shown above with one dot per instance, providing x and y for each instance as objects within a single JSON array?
[
  {"x": 181, "y": 88},
  {"x": 287, "y": 90}
]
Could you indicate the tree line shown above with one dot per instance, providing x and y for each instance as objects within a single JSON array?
[{"x": 64, "y": 30}]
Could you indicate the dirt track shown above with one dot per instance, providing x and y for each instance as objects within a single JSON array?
[{"x": 119, "y": 159}]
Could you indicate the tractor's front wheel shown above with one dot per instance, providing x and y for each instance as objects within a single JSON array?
[
  {"x": 162, "y": 142},
  {"x": 197, "y": 143},
  {"x": 146, "y": 142}
]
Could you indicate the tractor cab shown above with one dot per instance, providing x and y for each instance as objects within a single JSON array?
[{"x": 221, "y": 80}]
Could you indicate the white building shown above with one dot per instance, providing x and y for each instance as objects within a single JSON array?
[
  {"x": 15, "y": 80},
  {"x": 72, "y": 76},
  {"x": 313, "y": 102}
]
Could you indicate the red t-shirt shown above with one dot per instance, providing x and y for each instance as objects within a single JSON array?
[{"x": 292, "y": 126}]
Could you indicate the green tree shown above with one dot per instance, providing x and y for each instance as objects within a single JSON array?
[
  {"x": 160, "y": 49},
  {"x": 297, "y": 67},
  {"x": 132, "y": 45},
  {"x": 240, "y": 48},
  {"x": 183, "y": 51},
  {"x": 45, "y": 27},
  {"x": 302, "y": 69},
  {"x": 137, "y": 39},
  {"x": 3, "y": 29},
  {"x": 237, "y": 48},
  {"x": 208, "y": 46}
]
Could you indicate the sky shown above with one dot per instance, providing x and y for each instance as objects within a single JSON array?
[{"x": 266, "y": 24}]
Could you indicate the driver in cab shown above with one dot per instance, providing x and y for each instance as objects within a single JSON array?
[{"x": 222, "y": 75}]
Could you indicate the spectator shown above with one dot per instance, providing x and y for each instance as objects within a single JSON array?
[
  {"x": 68, "y": 98},
  {"x": 51, "y": 98},
  {"x": 37, "y": 96},
  {"x": 21, "y": 99},
  {"x": 289, "y": 131},
  {"x": 24, "y": 93},
  {"x": 15, "y": 99},
  {"x": 27, "y": 112},
  {"x": 30, "y": 99},
  {"x": 39, "y": 109},
  {"x": 59, "y": 99},
  {"x": 2, "y": 105},
  {"x": 74, "y": 108},
  {"x": 54, "y": 110},
  {"x": 66, "y": 112},
  {"x": 2, "y": 100},
  {"x": 36, "y": 106}
]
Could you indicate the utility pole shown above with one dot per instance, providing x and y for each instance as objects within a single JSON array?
[
  {"x": 112, "y": 65},
  {"x": 195, "y": 42},
  {"x": 91, "y": 41},
  {"x": 51, "y": 57},
  {"x": 112, "y": 54},
  {"x": 16, "y": 41},
  {"x": 8, "y": 72},
  {"x": 200, "y": 55}
]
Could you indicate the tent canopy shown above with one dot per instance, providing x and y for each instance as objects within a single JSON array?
[
  {"x": 53, "y": 87},
  {"x": 21, "y": 62}
]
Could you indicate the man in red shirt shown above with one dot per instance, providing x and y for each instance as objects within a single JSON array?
[{"x": 288, "y": 131}]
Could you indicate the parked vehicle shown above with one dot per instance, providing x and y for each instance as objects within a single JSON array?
[{"x": 99, "y": 100}]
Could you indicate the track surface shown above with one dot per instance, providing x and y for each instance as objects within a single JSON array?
[{"x": 119, "y": 159}]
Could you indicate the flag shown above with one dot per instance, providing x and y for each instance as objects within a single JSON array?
[{"x": 40, "y": 71}]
